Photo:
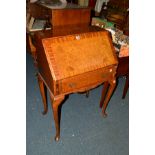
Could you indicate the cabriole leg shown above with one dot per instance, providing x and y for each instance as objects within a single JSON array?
[
  {"x": 43, "y": 94},
  {"x": 55, "y": 106},
  {"x": 104, "y": 91},
  {"x": 108, "y": 96}
]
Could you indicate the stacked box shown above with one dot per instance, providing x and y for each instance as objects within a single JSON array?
[{"x": 103, "y": 23}]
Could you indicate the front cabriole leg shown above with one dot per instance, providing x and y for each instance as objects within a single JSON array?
[
  {"x": 56, "y": 101},
  {"x": 108, "y": 96},
  {"x": 104, "y": 92}
]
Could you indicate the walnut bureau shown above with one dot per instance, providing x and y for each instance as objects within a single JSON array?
[{"x": 74, "y": 60}]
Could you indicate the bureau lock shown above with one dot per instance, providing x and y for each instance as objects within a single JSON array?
[{"x": 77, "y": 37}]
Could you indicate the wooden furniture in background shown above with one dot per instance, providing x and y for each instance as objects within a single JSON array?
[
  {"x": 66, "y": 17},
  {"x": 74, "y": 63},
  {"x": 117, "y": 12},
  {"x": 71, "y": 14},
  {"x": 122, "y": 70},
  {"x": 33, "y": 14}
]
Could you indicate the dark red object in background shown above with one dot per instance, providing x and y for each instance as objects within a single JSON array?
[{"x": 92, "y": 3}]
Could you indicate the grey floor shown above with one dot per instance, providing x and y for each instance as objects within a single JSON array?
[{"x": 83, "y": 129}]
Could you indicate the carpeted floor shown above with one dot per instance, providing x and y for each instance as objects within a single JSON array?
[{"x": 83, "y": 129}]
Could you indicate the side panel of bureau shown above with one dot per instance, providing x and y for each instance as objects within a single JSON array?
[{"x": 43, "y": 66}]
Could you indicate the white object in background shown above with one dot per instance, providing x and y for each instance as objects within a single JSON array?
[
  {"x": 33, "y": 1},
  {"x": 83, "y": 2},
  {"x": 63, "y": 1},
  {"x": 57, "y": 5},
  {"x": 98, "y": 5}
]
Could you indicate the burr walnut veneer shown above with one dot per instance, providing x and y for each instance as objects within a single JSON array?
[{"x": 71, "y": 63}]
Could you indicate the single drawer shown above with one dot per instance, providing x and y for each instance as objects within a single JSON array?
[{"x": 86, "y": 80}]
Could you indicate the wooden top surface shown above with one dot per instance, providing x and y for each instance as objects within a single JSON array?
[{"x": 78, "y": 53}]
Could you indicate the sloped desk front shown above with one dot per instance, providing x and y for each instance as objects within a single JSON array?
[{"x": 74, "y": 63}]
